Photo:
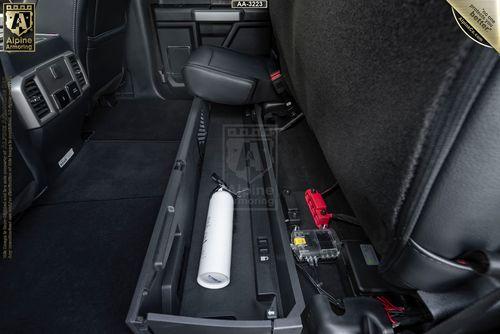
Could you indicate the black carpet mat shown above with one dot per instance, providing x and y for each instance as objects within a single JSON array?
[
  {"x": 79, "y": 250},
  {"x": 140, "y": 119},
  {"x": 300, "y": 160},
  {"x": 113, "y": 170},
  {"x": 75, "y": 267}
]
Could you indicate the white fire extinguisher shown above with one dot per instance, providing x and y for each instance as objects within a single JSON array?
[{"x": 214, "y": 271}]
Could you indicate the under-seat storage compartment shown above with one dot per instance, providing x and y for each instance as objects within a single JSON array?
[{"x": 264, "y": 294}]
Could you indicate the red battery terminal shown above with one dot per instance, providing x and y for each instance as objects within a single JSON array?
[{"x": 318, "y": 208}]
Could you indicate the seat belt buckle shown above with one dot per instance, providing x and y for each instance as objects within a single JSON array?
[{"x": 277, "y": 81}]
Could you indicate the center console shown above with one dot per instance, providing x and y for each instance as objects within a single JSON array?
[
  {"x": 264, "y": 294},
  {"x": 50, "y": 93}
]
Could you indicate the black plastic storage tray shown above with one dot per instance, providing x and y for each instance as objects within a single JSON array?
[{"x": 264, "y": 294}]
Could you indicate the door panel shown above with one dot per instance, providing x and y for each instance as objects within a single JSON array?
[{"x": 182, "y": 26}]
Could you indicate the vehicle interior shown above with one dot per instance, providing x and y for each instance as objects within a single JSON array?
[{"x": 359, "y": 143}]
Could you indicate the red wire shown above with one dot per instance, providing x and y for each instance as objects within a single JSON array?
[{"x": 390, "y": 307}]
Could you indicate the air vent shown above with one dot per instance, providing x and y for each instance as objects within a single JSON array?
[
  {"x": 77, "y": 70},
  {"x": 35, "y": 98}
]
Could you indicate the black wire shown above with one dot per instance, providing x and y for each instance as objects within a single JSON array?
[
  {"x": 328, "y": 190},
  {"x": 340, "y": 217},
  {"x": 346, "y": 219},
  {"x": 333, "y": 300}
]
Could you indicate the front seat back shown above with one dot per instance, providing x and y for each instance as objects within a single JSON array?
[
  {"x": 406, "y": 110},
  {"x": 95, "y": 29},
  {"x": 29, "y": 178}
]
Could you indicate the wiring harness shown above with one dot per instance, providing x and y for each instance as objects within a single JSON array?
[{"x": 335, "y": 301}]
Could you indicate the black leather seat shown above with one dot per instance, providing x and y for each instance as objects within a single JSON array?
[
  {"x": 95, "y": 30},
  {"x": 225, "y": 76},
  {"x": 410, "y": 126}
]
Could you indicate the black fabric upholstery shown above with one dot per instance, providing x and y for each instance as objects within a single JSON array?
[
  {"x": 95, "y": 30},
  {"x": 228, "y": 77},
  {"x": 472, "y": 176},
  {"x": 388, "y": 91}
]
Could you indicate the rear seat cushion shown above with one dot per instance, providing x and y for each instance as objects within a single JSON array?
[{"x": 225, "y": 76}]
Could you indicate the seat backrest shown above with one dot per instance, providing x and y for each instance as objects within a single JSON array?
[
  {"x": 405, "y": 108},
  {"x": 95, "y": 30}
]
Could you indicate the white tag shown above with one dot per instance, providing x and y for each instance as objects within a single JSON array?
[
  {"x": 66, "y": 158},
  {"x": 249, "y": 4}
]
